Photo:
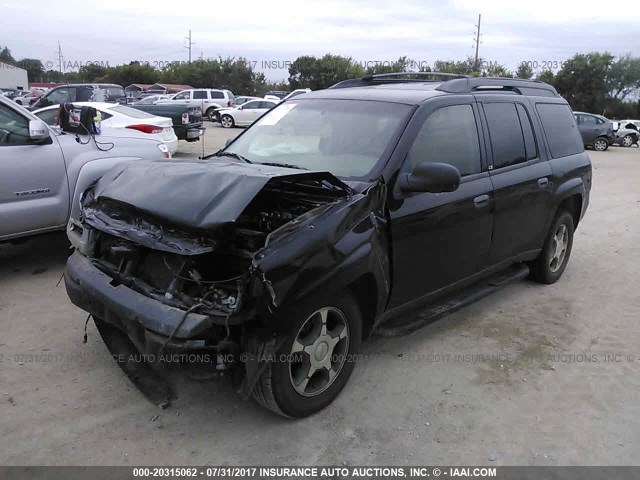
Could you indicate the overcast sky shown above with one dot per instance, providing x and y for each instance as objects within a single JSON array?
[{"x": 118, "y": 31}]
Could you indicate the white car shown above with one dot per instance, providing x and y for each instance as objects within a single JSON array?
[
  {"x": 152, "y": 99},
  {"x": 124, "y": 121},
  {"x": 245, "y": 114}
]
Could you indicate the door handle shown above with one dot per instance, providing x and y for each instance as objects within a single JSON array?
[
  {"x": 481, "y": 201},
  {"x": 543, "y": 182}
]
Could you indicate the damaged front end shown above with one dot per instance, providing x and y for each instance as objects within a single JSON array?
[{"x": 205, "y": 258}]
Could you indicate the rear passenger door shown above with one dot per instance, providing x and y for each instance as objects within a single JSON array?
[
  {"x": 441, "y": 238},
  {"x": 521, "y": 178}
]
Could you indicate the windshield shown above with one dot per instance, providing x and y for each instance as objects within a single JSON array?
[{"x": 345, "y": 137}]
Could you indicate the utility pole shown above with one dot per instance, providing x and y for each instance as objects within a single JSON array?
[
  {"x": 477, "y": 42},
  {"x": 190, "y": 44},
  {"x": 60, "y": 57}
]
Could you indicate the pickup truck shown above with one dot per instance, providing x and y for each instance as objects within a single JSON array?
[
  {"x": 332, "y": 217},
  {"x": 44, "y": 171},
  {"x": 187, "y": 121}
]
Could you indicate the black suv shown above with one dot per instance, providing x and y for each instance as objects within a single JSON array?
[{"x": 328, "y": 220}]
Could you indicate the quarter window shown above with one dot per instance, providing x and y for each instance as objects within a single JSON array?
[
  {"x": 560, "y": 129},
  {"x": 448, "y": 135},
  {"x": 182, "y": 96},
  {"x": 217, "y": 95}
]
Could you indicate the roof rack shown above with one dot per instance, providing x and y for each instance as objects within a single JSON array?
[
  {"x": 458, "y": 83},
  {"x": 394, "y": 77},
  {"x": 492, "y": 84}
]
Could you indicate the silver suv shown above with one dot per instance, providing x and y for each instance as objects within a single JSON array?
[{"x": 208, "y": 99}]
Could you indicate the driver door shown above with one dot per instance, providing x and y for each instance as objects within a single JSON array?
[
  {"x": 442, "y": 238},
  {"x": 34, "y": 193}
]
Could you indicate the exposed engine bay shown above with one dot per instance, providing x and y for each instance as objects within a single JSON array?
[{"x": 212, "y": 272}]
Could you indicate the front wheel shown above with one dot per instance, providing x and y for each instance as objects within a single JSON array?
[
  {"x": 553, "y": 258},
  {"x": 315, "y": 360},
  {"x": 627, "y": 141},
  {"x": 227, "y": 121},
  {"x": 600, "y": 145}
]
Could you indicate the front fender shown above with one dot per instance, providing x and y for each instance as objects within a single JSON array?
[{"x": 329, "y": 252}]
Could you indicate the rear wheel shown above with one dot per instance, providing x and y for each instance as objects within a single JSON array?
[
  {"x": 600, "y": 144},
  {"x": 315, "y": 361},
  {"x": 553, "y": 258},
  {"x": 227, "y": 121},
  {"x": 212, "y": 115}
]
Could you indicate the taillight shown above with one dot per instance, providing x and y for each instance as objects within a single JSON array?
[
  {"x": 229, "y": 104},
  {"x": 146, "y": 128},
  {"x": 185, "y": 118}
]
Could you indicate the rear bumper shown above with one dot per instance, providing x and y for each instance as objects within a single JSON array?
[
  {"x": 147, "y": 322},
  {"x": 194, "y": 133}
]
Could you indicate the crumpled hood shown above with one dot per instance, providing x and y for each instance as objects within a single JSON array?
[{"x": 202, "y": 194}]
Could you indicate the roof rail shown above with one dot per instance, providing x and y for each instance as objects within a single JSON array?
[
  {"x": 394, "y": 77},
  {"x": 516, "y": 85}
]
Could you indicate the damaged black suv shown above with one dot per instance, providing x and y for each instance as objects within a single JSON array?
[{"x": 331, "y": 218}]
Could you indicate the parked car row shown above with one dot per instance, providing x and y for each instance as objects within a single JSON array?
[{"x": 600, "y": 133}]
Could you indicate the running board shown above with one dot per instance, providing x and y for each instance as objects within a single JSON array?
[{"x": 450, "y": 303}]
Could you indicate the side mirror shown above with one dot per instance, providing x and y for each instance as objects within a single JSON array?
[
  {"x": 38, "y": 131},
  {"x": 228, "y": 142},
  {"x": 430, "y": 177}
]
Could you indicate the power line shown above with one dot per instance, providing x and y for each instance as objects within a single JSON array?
[
  {"x": 476, "y": 39},
  {"x": 190, "y": 44}
]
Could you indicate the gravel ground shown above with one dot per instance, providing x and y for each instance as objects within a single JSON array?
[{"x": 533, "y": 375}]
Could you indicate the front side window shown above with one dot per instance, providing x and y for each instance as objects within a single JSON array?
[
  {"x": 449, "y": 135},
  {"x": 14, "y": 128},
  {"x": 507, "y": 139},
  {"x": 182, "y": 96},
  {"x": 345, "y": 137}
]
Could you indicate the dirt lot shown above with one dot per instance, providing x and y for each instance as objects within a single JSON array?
[{"x": 454, "y": 392}]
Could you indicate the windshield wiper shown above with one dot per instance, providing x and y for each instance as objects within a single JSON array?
[
  {"x": 286, "y": 165},
  {"x": 234, "y": 155}
]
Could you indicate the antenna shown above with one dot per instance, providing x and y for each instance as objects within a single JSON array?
[
  {"x": 190, "y": 45},
  {"x": 476, "y": 40}
]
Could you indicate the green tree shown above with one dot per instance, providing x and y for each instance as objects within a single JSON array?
[
  {"x": 624, "y": 77},
  {"x": 6, "y": 57},
  {"x": 583, "y": 81},
  {"x": 524, "y": 71},
  {"x": 546, "y": 76},
  {"x": 34, "y": 68},
  {"x": 317, "y": 73}
]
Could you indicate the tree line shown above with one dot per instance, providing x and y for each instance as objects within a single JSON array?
[{"x": 593, "y": 82}]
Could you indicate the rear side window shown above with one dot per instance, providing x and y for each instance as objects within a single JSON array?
[
  {"x": 199, "y": 95},
  {"x": 434, "y": 141},
  {"x": 507, "y": 139},
  {"x": 560, "y": 129},
  {"x": 217, "y": 95}
]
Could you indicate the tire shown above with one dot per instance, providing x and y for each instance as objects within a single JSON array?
[
  {"x": 600, "y": 144},
  {"x": 210, "y": 114},
  {"x": 227, "y": 121},
  {"x": 627, "y": 141},
  {"x": 285, "y": 386},
  {"x": 551, "y": 262}
]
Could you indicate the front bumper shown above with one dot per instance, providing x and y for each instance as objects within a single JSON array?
[{"x": 147, "y": 322}]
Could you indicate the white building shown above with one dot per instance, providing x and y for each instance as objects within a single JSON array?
[{"x": 13, "y": 77}]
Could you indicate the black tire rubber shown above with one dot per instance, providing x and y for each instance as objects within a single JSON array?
[
  {"x": 209, "y": 113},
  {"x": 233, "y": 123},
  {"x": 540, "y": 270},
  {"x": 273, "y": 389}
]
